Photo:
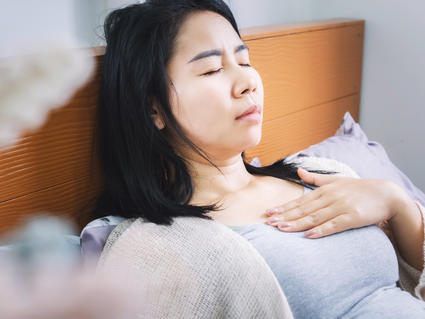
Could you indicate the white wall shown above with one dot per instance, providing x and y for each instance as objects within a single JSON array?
[
  {"x": 393, "y": 94},
  {"x": 25, "y": 24},
  {"x": 249, "y": 13},
  {"x": 393, "y": 84}
]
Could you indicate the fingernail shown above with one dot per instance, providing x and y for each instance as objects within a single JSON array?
[
  {"x": 284, "y": 225},
  {"x": 271, "y": 210},
  {"x": 310, "y": 232},
  {"x": 273, "y": 219}
]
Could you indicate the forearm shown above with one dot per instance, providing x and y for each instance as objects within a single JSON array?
[{"x": 407, "y": 229}]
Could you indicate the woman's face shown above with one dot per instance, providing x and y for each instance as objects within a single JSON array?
[{"x": 214, "y": 84}]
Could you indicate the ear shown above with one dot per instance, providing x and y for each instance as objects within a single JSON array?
[{"x": 156, "y": 117}]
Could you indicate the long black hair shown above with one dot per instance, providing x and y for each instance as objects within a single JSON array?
[{"x": 144, "y": 176}]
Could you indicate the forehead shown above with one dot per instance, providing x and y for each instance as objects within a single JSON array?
[{"x": 204, "y": 30}]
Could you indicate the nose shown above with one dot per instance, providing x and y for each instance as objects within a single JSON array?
[{"x": 245, "y": 84}]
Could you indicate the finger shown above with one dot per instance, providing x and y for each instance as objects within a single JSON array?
[
  {"x": 311, "y": 220},
  {"x": 336, "y": 225},
  {"x": 315, "y": 178},
  {"x": 300, "y": 211},
  {"x": 315, "y": 194}
]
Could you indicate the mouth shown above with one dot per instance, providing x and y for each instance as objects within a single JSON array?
[{"x": 255, "y": 109}]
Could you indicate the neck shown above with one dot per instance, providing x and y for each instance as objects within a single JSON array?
[{"x": 210, "y": 184}]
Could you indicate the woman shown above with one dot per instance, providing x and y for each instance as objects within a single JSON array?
[{"x": 179, "y": 104}]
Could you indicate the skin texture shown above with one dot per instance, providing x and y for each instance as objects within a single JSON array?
[{"x": 206, "y": 106}]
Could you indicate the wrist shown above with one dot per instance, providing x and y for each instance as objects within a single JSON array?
[
  {"x": 400, "y": 203},
  {"x": 402, "y": 206}
]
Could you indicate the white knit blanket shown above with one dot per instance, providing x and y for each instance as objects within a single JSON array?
[
  {"x": 199, "y": 268},
  {"x": 195, "y": 268}
]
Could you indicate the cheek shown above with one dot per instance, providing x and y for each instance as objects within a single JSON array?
[{"x": 203, "y": 111}]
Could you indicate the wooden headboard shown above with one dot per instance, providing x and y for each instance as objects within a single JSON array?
[{"x": 311, "y": 73}]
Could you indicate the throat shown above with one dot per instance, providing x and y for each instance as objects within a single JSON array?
[{"x": 210, "y": 191}]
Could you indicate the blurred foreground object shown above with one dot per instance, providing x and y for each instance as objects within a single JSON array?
[
  {"x": 41, "y": 271},
  {"x": 34, "y": 84},
  {"x": 41, "y": 277}
]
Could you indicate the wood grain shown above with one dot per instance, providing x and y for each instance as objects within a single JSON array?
[
  {"x": 74, "y": 200},
  {"x": 56, "y": 154},
  {"x": 308, "y": 68},
  {"x": 289, "y": 134}
]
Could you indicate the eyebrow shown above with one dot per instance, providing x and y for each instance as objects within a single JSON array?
[{"x": 216, "y": 52}]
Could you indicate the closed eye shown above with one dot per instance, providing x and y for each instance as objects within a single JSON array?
[
  {"x": 212, "y": 72},
  {"x": 218, "y": 70}
]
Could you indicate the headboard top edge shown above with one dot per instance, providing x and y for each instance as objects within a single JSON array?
[{"x": 250, "y": 33}]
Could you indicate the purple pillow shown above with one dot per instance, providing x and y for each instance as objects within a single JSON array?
[
  {"x": 368, "y": 159},
  {"x": 94, "y": 235}
]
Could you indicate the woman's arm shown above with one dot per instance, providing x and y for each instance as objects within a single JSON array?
[{"x": 407, "y": 228}]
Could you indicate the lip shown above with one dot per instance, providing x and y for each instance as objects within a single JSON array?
[{"x": 252, "y": 110}]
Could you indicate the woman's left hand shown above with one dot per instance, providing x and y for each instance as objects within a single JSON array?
[{"x": 340, "y": 203}]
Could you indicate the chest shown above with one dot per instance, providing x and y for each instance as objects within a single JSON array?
[
  {"x": 337, "y": 270},
  {"x": 248, "y": 207}
]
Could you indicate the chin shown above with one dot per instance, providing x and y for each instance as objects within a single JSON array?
[{"x": 252, "y": 141}]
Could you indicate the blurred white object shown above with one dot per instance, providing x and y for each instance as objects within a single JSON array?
[
  {"x": 33, "y": 85},
  {"x": 41, "y": 277}
]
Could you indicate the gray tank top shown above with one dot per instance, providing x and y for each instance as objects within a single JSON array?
[{"x": 352, "y": 274}]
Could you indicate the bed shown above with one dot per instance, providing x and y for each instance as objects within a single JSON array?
[{"x": 311, "y": 73}]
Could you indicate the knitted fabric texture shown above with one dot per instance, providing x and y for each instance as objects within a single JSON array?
[{"x": 194, "y": 268}]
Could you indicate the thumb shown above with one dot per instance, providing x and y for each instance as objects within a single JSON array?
[{"x": 315, "y": 178}]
